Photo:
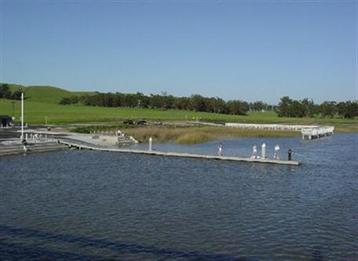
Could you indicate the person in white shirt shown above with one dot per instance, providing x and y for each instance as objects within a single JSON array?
[
  {"x": 254, "y": 152},
  {"x": 220, "y": 150},
  {"x": 277, "y": 150}
]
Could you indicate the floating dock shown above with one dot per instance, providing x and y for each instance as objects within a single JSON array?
[
  {"x": 181, "y": 155},
  {"x": 309, "y": 132},
  {"x": 317, "y": 132}
]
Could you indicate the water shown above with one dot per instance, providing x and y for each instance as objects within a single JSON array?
[{"x": 85, "y": 205}]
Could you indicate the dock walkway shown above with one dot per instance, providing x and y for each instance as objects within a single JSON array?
[
  {"x": 62, "y": 144},
  {"x": 181, "y": 155}
]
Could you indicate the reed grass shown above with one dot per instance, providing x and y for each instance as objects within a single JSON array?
[
  {"x": 347, "y": 128},
  {"x": 193, "y": 135}
]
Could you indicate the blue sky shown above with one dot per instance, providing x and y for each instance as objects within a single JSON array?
[{"x": 250, "y": 50}]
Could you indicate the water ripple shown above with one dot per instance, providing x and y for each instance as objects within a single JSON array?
[{"x": 85, "y": 205}]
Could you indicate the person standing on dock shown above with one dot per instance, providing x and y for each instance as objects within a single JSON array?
[
  {"x": 289, "y": 154},
  {"x": 277, "y": 150},
  {"x": 263, "y": 150},
  {"x": 220, "y": 150},
  {"x": 120, "y": 134},
  {"x": 24, "y": 143},
  {"x": 254, "y": 152}
]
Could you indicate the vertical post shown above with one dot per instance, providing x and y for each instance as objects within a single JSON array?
[
  {"x": 150, "y": 144},
  {"x": 22, "y": 116}
]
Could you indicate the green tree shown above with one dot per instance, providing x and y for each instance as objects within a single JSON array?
[
  {"x": 328, "y": 109},
  {"x": 5, "y": 91},
  {"x": 310, "y": 109},
  {"x": 198, "y": 103},
  {"x": 16, "y": 95},
  {"x": 283, "y": 109},
  {"x": 237, "y": 107}
]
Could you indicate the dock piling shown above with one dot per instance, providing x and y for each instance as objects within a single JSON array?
[{"x": 150, "y": 144}]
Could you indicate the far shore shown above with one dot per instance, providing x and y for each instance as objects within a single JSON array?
[
  {"x": 185, "y": 134},
  {"x": 179, "y": 132},
  {"x": 194, "y": 135}
]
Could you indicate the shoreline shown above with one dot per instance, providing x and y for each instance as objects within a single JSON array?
[
  {"x": 186, "y": 134},
  {"x": 194, "y": 132},
  {"x": 177, "y": 132}
]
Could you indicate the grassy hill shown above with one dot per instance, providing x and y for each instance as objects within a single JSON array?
[{"x": 45, "y": 94}]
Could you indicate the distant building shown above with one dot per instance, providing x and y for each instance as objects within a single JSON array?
[{"x": 5, "y": 121}]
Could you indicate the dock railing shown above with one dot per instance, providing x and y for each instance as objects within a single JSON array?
[
  {"x": 307, "y": 131},
  {"x": 317, "y": 132}
]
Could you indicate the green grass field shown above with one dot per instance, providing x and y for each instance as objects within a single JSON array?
[
  {"x": 38, "y": 112},
  {"x": 35, "y": 113},
  {"x": 41, "y": 104}
]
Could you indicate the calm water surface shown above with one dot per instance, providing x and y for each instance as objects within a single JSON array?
[{"x": 85, "y": 205}]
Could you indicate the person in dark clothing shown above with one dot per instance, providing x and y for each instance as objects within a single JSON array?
[{"x": 289, "y": 154}]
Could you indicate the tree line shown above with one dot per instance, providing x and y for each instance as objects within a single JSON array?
[
  {"x": 164, "y": 101},
  {"x": 6, "y": 93},
  {"x": 288, "y": 107}
]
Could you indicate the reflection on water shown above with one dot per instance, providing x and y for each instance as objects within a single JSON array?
[{"x": 92, "y": 205}]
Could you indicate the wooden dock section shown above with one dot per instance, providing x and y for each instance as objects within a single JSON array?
[{"x": 182, "y": 155}]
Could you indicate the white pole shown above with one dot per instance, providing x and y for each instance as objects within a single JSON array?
[
  {"x": 22, "y": 116},
  {"x": 150, "y": 144}
]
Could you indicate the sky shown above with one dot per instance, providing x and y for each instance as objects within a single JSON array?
[{"x": 249, "y": 50}]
